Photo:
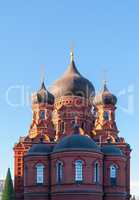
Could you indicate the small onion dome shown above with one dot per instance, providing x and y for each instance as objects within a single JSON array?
[
  {"x": 111, "y": 150},
  {"x": 43, "y": 96},
  {"x": 39, "y": 149},
  {"x": 76, "y": 142},
  {"x": 72, "y": 83},
  {"x": 105, "y": 97}
]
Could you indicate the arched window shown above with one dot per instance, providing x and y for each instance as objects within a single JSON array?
[
  {"x": 106, "y": 115},
  {"x": 59, "y": 171},
  {"x": 40, "y": 173},
  {"x": 96, "y": 172},
  {"x": 113, "y": 174},
  {"x": 78, "y": 170}
]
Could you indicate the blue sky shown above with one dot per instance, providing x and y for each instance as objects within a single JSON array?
[{"x": 40, "y": 32}]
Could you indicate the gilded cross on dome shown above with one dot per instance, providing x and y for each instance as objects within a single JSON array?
[{"x": 72, "y": 53}]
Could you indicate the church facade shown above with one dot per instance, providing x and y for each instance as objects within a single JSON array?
[{"x": 73, "y": 149}]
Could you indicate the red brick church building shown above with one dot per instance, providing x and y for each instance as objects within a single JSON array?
[{"x": 72, "y": 150}]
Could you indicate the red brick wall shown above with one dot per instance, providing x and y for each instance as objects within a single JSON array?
[
  {"x": 68, "y": 189},
  {"x": 65, "y": 109}
]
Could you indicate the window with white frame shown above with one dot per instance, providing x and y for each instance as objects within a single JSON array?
[
  {"x": 96, "y": 172},
  {"x": 40, "y": 173},
  {"x": 59, "y": 171},
  {"x": 113, "y": 174},
  {"x": 78, "y": 170}
]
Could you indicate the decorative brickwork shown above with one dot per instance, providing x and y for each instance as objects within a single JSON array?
[{"x": 72, "y": 124}]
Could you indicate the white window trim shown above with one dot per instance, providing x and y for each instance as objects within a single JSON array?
[
  {"x": 39, "y": 173},
  {"x": 78, "y": 170},
  {"x": 113, "y": 171}
]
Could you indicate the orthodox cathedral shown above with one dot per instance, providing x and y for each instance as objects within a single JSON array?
[{"x": 72, "y": 150}]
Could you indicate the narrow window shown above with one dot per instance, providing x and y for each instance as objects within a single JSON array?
[
  {"x": 106, "y": 115},
  {"x": 59, "y": 172},
  {"x": 25, "y": 175},
  {"x": 96, "y": 172},
  {"x": 42, "y": 115},
  {"x": 62, "y": 127},
  {"x": 79, "y": 170},
  {"x": 40, "y": 173},
  {"x": 113, "y": 175}
]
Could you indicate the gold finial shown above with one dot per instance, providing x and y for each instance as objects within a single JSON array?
[{"x": 72, "y": 53}]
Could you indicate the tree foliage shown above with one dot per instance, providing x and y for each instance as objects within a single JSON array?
[{"x": 8, "y": 191}]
